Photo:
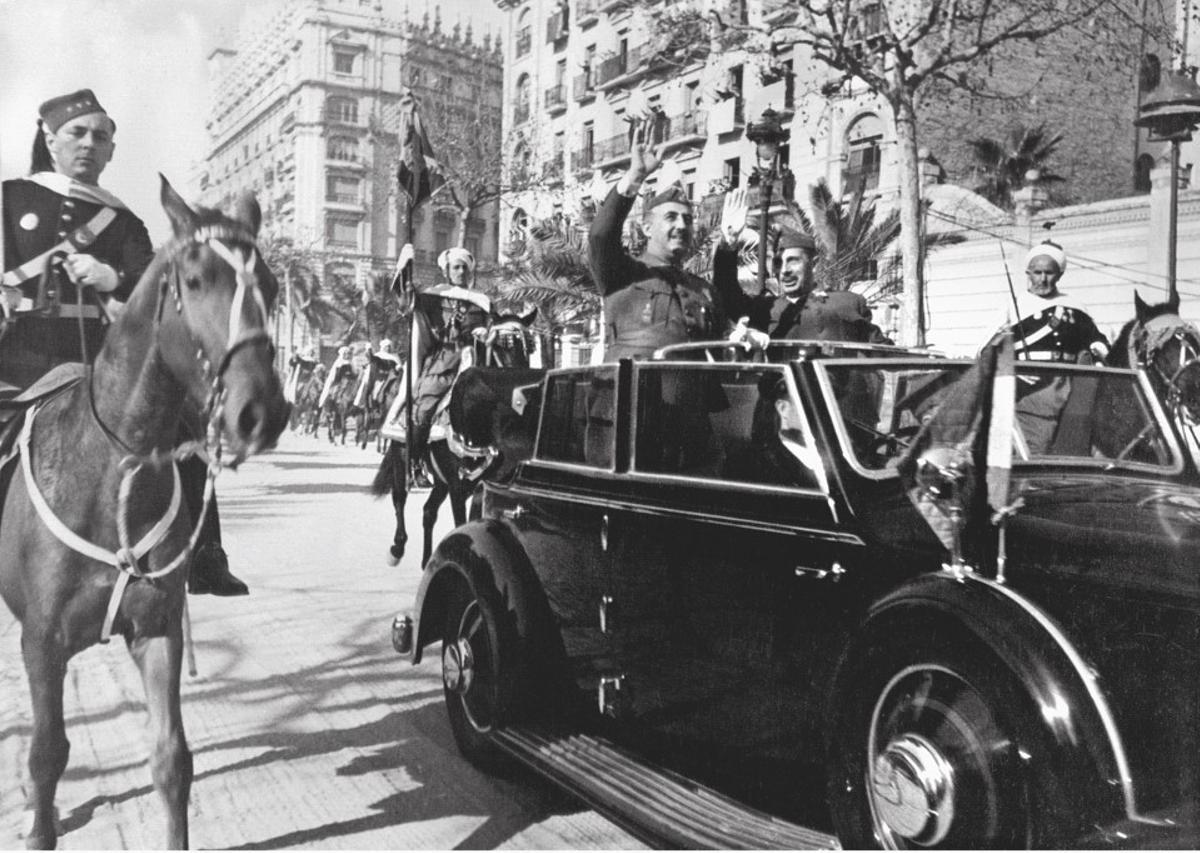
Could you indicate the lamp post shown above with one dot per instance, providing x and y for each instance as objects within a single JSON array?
[
  {"x": 1171, "y": 112},
  {"x": 767, "y": 134}
]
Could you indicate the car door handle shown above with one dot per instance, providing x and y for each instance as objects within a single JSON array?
[
  {"x": 604, "y": 532},
  {"x": 514, "y": 513},
  {"x": 834, "y": 572}
]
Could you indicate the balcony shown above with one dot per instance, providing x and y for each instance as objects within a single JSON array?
[
  {"x": 587, "y": 10},
  {"x": 520, "y": 113},
  {"x": 556, "y": 99},
  {"x": 612, "y": 151},
  {"x": 556, "y": 28},
  {"x": 342, "y": 198},
  {"x": 582, "y": 160},
  {"x": 612, "y": 6},
  {"x": 552, "y": 169},
  {"x": 585, "y": 86}
]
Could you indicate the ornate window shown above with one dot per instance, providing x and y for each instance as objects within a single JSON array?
[
  {"x": 341, "y": 231},
  {"x": 344, "y": 148},
  {"x": 343, "y": 110},
  {"x": 863, "y": 154}
]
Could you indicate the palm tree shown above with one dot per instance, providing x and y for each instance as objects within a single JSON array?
[
  {"x": 550, "y": 271},
  {"x": 1000, "y": 167}
]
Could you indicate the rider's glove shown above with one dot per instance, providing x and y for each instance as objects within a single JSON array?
[
  {"x": 89, "y": 272},
  {"x": 1100, "y": 350}
]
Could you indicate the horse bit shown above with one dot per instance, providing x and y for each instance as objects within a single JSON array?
[{"x": 127, "y": 557}]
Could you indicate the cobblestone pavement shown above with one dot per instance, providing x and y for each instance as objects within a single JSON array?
[{"x": 308, "y": 731}]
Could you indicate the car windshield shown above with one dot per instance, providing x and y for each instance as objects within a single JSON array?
[{"x": 1064, "y": 415}]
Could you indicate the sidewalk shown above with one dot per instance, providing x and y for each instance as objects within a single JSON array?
[{"x": 307, "y": 730}]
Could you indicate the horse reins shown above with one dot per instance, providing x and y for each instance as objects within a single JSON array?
[
  {"x": 126, "y": 559},
  {"x": 1150, "y": 338}
]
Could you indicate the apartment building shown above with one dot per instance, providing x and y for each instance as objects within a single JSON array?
[
  {"x": 305, "y": 112},
  {"x": 574, "y": 69}
]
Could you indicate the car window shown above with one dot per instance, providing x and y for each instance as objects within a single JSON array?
[
  {"x": 578, "y": 417},
  {"x": 738, "y": 424},
  {"x": 1063, "y": 415}
]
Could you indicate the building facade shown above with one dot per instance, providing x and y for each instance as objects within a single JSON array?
[
  {"x": 574, "y": 69},
  {"x": 305, "y": 112}
]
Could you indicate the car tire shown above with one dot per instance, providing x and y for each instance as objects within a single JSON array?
[
  {"x": 936, "y": 745},
  {"x": 477, "y": 677}
]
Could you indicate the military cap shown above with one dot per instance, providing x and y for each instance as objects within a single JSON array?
[
  {"x": 790, "y": 239},
  {"x": 674, "y": 194},
  {"x": 58, "y": 111}
]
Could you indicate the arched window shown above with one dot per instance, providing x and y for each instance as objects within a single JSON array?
[
  {"x": 524, "y": 32},
  {"x": 863, "y": 154},
  {"x": 1141, "y": 173},
  {"x": 518, "y": 230},
  {"x": 523, "y": 98},
  {"x": 343, "y": 148}
]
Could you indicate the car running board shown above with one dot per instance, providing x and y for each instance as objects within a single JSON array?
[{"x": 659, "y": 807}]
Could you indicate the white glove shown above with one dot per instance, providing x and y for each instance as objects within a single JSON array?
[
  {"x": 743, "y": 334},
  {"x": 89, "y": 272},
  {"x": 1099, "y": 350},
  {"x": 733, "y": 215}
]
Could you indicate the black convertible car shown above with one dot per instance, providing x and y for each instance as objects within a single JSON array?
[{"x": 708, "y": 606}]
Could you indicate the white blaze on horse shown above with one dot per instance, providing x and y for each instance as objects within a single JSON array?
[{"x": 92, "y": 537}]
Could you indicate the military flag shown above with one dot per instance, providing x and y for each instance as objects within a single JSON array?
[
  {"x": 420, "y": 174},
  {"x": 968, "y": 436}
]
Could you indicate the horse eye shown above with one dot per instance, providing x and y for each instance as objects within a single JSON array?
[{"x": 192, "y": 281}]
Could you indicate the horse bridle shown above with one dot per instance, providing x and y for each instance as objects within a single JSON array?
[{"x": 1149, "y": 338}]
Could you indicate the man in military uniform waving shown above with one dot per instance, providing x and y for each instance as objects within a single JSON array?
[{"x": 650, "y": 301}]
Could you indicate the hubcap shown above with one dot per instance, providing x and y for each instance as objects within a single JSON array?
[
  {"x": 912, "y": 790},
  {"x": 458, "y": 666}
]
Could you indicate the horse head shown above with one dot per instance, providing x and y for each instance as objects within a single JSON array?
[
  {"x": 510, "y": 341},
  {"x": 1168, "y": 347},
  {"x": 214, "y": 301}
]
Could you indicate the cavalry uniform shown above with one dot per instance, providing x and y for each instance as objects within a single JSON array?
[
  {"x": 648, "y": 303},
  {"x": 340, "y": 381},
  {"x": 1056, "y": 328},
  {"x": 300, "y": 368},
  {"x": 46, "y": 217}
]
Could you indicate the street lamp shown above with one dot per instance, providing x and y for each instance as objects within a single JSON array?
[
  {"x": 767, "y": 134},
  {"x": 1171, "y": 112}
]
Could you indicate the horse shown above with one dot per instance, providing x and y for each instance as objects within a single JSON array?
[
  {"x": 1167, "y": 347},
  {"x": 506, "y": 352},
  {"x": 91, "y": 543},
  {"x": 336, "y": 406},
  {"x": 307, "y": 412}
]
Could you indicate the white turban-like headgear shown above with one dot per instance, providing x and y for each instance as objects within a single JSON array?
[
  {"x": 1053, "y": 251},
  {"x": 456, "y": 253}
]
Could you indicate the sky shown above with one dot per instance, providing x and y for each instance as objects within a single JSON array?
[{"x": 146, "y": 62}]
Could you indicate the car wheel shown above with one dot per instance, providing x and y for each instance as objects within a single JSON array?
[
  {"x": 935, "y": 746},
  {"x": 475, "y": 680}
]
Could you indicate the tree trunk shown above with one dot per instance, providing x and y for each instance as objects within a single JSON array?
[
  {"x": 464, "y": 213},
  {"x": 912, "y": 321},
  {"x": 547, "y": 346}
]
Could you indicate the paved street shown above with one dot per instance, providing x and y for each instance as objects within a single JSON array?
[{"x": 308, "y": 731}]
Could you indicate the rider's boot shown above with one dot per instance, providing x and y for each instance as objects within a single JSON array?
[{"x": 210, "y": 573}]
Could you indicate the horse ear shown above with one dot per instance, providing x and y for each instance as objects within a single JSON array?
[
  {"x": 1173, "y": 302},
  {"x": 248, "y": 212},
  {"x": 183, "y": 218},
  {"x": 527, "y": 318},
  {"x": 1141, "y": 309}
]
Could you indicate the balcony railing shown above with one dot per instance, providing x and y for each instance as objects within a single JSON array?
[
  {"x": 552, "y": 169},
  {"x": 583, "y": 159},
  {"x": 586, "y": 11},
  {"x": 342, "y": 198},
  {"x": 612, "y": 150},
  {"x": 556, "y": 98},
  {"x": 520, "y": 113},
  {"x": 585, "y": 86},
  {"x": 556, "y": 27},
  {"x": 616, "y": 66}
]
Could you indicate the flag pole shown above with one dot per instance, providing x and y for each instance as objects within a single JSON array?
[{"x": 406, "y": 276}]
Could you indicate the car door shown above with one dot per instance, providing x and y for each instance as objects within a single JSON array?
[
  {"x": 725, "y": 566},
  {"x": 558, "y": 504}
]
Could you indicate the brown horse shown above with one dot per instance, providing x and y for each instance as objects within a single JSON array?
[{"x": 89, "y": 537}]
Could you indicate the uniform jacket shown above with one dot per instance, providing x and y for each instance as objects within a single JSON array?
[
  {"x": 822, "y": 315},
  {"x": 647, "y": 305},
  {"x": 1054, "y": 329},
  {"x": 35, "y": 219}
]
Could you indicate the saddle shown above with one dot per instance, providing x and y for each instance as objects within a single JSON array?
[{"x": 14, "y": 402}]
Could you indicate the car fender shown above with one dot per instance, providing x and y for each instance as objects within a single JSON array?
[
  {"x": 487, "y": 557},
  {"x": 1061, "y": 685}
]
